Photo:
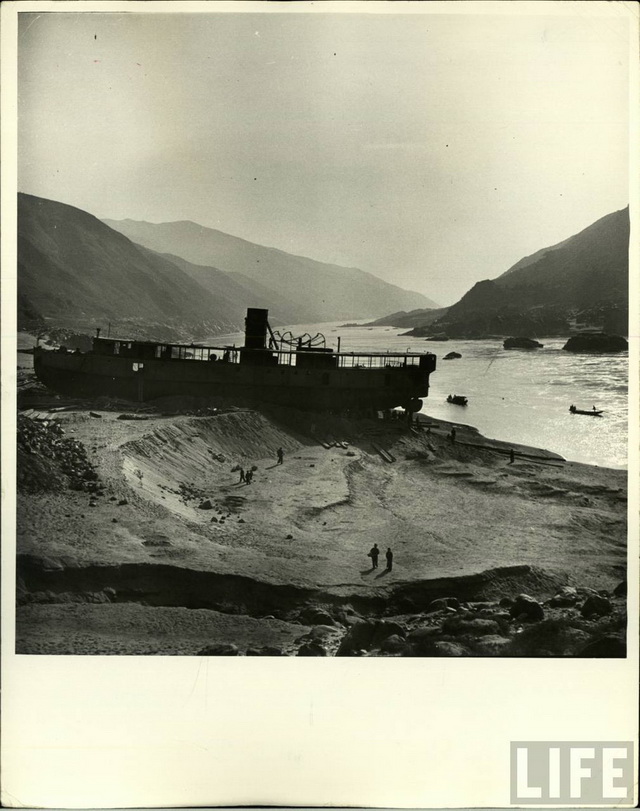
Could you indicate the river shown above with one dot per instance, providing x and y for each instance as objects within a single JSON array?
[{"x": 516, "y": 396}]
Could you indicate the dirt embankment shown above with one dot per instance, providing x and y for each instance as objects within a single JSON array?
[{"x": 168, "y": 551}]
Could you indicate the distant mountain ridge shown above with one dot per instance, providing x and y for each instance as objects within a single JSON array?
[
  {"x": 76, "y": 272},
  {"x": 583, "y": 278},
  {"x": 320, "y": 291}
]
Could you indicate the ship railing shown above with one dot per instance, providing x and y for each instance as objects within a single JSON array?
[
  {"x": 356, "y": 360},
  {"x": 231, "y": 354}
]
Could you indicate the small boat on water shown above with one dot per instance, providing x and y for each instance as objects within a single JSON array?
[
  {"x": 592, "y": 413},
  {"x": 457, "y": 399}
]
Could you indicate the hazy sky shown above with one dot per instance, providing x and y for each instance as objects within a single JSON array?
[{"x": 433, "y": 150}]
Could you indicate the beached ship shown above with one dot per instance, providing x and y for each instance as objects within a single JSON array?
[{"x": 300, "y": 372}]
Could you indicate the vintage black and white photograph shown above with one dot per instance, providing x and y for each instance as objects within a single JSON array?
[{"x": 322, "y": 332}]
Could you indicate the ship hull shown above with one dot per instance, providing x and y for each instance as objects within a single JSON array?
[{"x": 88, "y": 375}]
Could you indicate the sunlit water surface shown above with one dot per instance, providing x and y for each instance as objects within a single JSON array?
[{"x": 516, "y": 396}]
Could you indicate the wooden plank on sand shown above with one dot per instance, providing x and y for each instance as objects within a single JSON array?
[{"x": 388, "y": 457}]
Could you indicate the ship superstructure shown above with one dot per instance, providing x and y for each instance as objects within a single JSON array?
[{"x": 298, "y": 372}]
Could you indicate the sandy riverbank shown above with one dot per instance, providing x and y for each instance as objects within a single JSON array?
[{"x": 95, "y": 571}]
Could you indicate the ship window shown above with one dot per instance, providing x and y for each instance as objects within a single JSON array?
[
  {"x": 116, "y": 348},
  {"x": 325, "y": 379}
]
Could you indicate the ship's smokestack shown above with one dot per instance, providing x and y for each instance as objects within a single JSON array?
[{"x": 255, "y": 328}]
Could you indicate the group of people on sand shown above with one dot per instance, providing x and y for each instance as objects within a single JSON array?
[
  {"x": 374, "y": 554},
  {"x": 246, "y": 476}
]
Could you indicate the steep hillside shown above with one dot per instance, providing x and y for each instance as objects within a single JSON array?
[
  {"x": 239, "y": 288},
  {"x": 75, "y": 271},
  {"x": 321, "y": 291},
  {"x": 413, "y": 318},
  {"x": 583, "y": 271},
  {"x": 584, "y": 277}
]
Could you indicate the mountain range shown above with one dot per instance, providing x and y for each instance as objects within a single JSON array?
[
  {"x": 318, "y": 291},
  {"x": 180, "y": 280},
  {"x": 582, "y": 279},
  {"x": 76, "y": 271}
]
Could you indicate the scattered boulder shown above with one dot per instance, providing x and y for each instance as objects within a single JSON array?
[
  {"x": 423, "y": 636},
  {"x": 312, "y": 615},
  {"x": 384, "y": 629},
  {"x": 206, "y": 505},
  {"x": 312, "y": 649},
  {"x": 609, "y": 646},
  {"x": 367, "y": 634},
  {"x": 522, "y": 343},
  {"x": 323, "y": 632},
  {"x": 444, "y": 648},
  {"x": 621, "y": 589},
  {"x": 599, "y": 342},
  {"x": 527, "y": 607},
  {"x": 452, "y": 356},
  {"x": 565, "y": 598},
  {"x": 559, "y": 636},
  {"x": 348, "y": 617},
  {"x": 442, "y": 603},
  {"x": 596, "y": 606},
  {"x": 393, "y": 644},
  {"x": 123, "y": 502},
  {"x": 220, "y": 649},
  {"x": 472, "y": 627},
  {"x": 492, "y": 645}
]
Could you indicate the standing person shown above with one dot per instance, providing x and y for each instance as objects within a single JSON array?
[
  {"x": 453, "y": 435},
  {"x": 373, "y": 554},
  {"x": 280, "y": 453},
  {"x": 389, "y": 556},
  {"x": 512, "y": 456},
  {"x": 241, "y": 475},
  {"x": 248, "y": 476}
]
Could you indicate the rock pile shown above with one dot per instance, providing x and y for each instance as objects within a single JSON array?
[
  {"x": 574, "y": 622},
  {"x": 47, "y": 460}
]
